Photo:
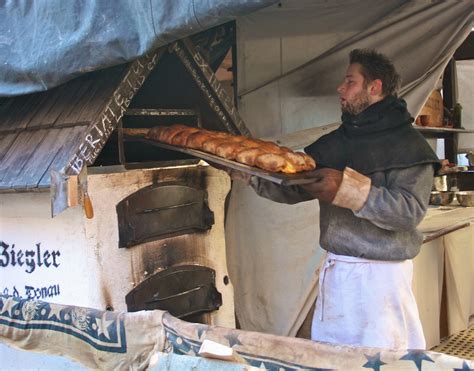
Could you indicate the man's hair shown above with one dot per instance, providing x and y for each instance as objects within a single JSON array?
[{"x": 377, "y": 66}]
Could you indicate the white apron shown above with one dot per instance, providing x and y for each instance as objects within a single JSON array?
[{"x": 367, "y": 303}]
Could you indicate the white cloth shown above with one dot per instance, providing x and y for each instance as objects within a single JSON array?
[
  {"x": 367, "y": 303},
  {"x": 459, "y": 253}
]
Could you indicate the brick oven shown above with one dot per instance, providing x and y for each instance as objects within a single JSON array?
[{"x": 152, "y": 228}]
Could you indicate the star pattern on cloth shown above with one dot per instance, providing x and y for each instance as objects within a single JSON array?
[
  {"x": 8, "y": 305},
  {"x": 416, "y": 356},
  {"x": 55, "y": 311},
  {"x": 373, "y": 362},
  {"x": 232, "y": 339},
  {"x": 102, "y": 325},
  {"x": 465, "y": 367}
]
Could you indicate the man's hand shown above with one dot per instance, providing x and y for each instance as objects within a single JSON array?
[
  {"x": 326, "y": 184},
  {"x": 348, "y": 188},
  {"x": 445, "y": 166}
]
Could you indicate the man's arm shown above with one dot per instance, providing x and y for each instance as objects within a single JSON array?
[
  {"x": 401, "y": 204},
  {"x": 398, "y": 205}
]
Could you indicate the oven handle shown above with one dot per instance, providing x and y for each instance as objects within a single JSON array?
[
  {"x": 157, "y": 209},
  {"x": 175, "y": 295}
]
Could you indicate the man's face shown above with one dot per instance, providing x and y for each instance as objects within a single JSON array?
[{"x": 354, "y": 92}]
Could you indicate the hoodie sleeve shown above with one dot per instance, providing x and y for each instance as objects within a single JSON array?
[{"x": 402, "y": 202}]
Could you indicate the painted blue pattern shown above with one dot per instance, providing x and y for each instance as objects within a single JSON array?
[
  {"x": 373, "y": 362},
  {"x": 102, "y": 330},
  {"x": 417, "y": 356},
  {"x": 465, "y": 367},
  {"x": 179, "y": 344}
]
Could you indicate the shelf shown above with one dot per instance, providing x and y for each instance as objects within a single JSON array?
[{"x": 430, "y": 129}]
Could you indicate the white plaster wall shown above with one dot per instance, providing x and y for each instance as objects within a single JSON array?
[{"x": 25, "y": 220}]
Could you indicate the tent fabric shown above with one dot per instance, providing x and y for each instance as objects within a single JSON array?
[
  {"x": 97, "y": 339},
  {"x": 46, "y": 43},
  {"x": 287, "y": 82},
  {"x": 270, "y": 352},
  {"x": 459, "y": 247},
  {"x": 109, "y": 340}
]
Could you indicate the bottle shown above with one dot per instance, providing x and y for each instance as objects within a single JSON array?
[{"x": 457, "y": 110}]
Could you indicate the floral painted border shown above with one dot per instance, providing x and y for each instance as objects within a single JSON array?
[{"x": 102, "y": 330}]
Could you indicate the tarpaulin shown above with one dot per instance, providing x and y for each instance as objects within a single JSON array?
[{"x": 45, "y": 43}]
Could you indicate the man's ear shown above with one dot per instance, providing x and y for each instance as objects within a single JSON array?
[{"x": 375, "y": 88}]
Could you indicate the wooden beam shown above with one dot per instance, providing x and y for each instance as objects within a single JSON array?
[
  {"x": 107, "y": 120},
  {"x": 214, "y": 93}
]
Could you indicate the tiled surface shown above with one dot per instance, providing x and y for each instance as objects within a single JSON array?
[{"x": 460, "y": 345}]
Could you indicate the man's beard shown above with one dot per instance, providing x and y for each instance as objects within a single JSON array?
[{"x": 358, "y": 104}]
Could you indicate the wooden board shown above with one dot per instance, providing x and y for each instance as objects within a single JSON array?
[
  {"x": 40, "y": 161},
  {"x": 68, "y": 138},
  {"x": 21, "y": 151},
  {"x": 432, "y": 112}
]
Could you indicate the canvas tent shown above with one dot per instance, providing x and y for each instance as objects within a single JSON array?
[
  {"x": 291, "y": 55},
  {"x": 287, "y": 80}
]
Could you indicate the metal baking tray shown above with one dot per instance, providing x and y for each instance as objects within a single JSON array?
[{"x": 304, "y": 177}]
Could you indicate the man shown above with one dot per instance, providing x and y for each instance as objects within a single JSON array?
[{"x": 373, "y": 185}]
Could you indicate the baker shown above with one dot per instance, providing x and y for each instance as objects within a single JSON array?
[{"x": 373, "y": 183}]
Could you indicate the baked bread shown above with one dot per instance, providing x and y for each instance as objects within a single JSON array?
[
  {"x": 212, "y": 144},
  {"x": 196, "y": 140},
  {"x": 309, "y": 161},
  {"x": 230, "y": 150},
  {"x": 253, "y": 152},
  {"x": 156, "y": 133},
  {"x": 181, "y": 137},
  {"x": 273, "y": 162},
  {"x": 249, "y": 156},
  {"x": 165, "y": 133}
]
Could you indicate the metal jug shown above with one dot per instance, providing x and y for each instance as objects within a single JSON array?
[
  {"x": 441, "y": 183},
  {"x": 470, "y": 157}
]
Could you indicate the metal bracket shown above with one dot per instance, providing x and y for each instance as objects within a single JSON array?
[{"x": 69, "y": 191}]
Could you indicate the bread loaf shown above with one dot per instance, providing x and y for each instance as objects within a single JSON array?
[
  {"x": 253, "y": 152},
  {"x": 180, "y": 138},
  {"x": 274, "y": 163},
  {"x": 249, "y": 156}
]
